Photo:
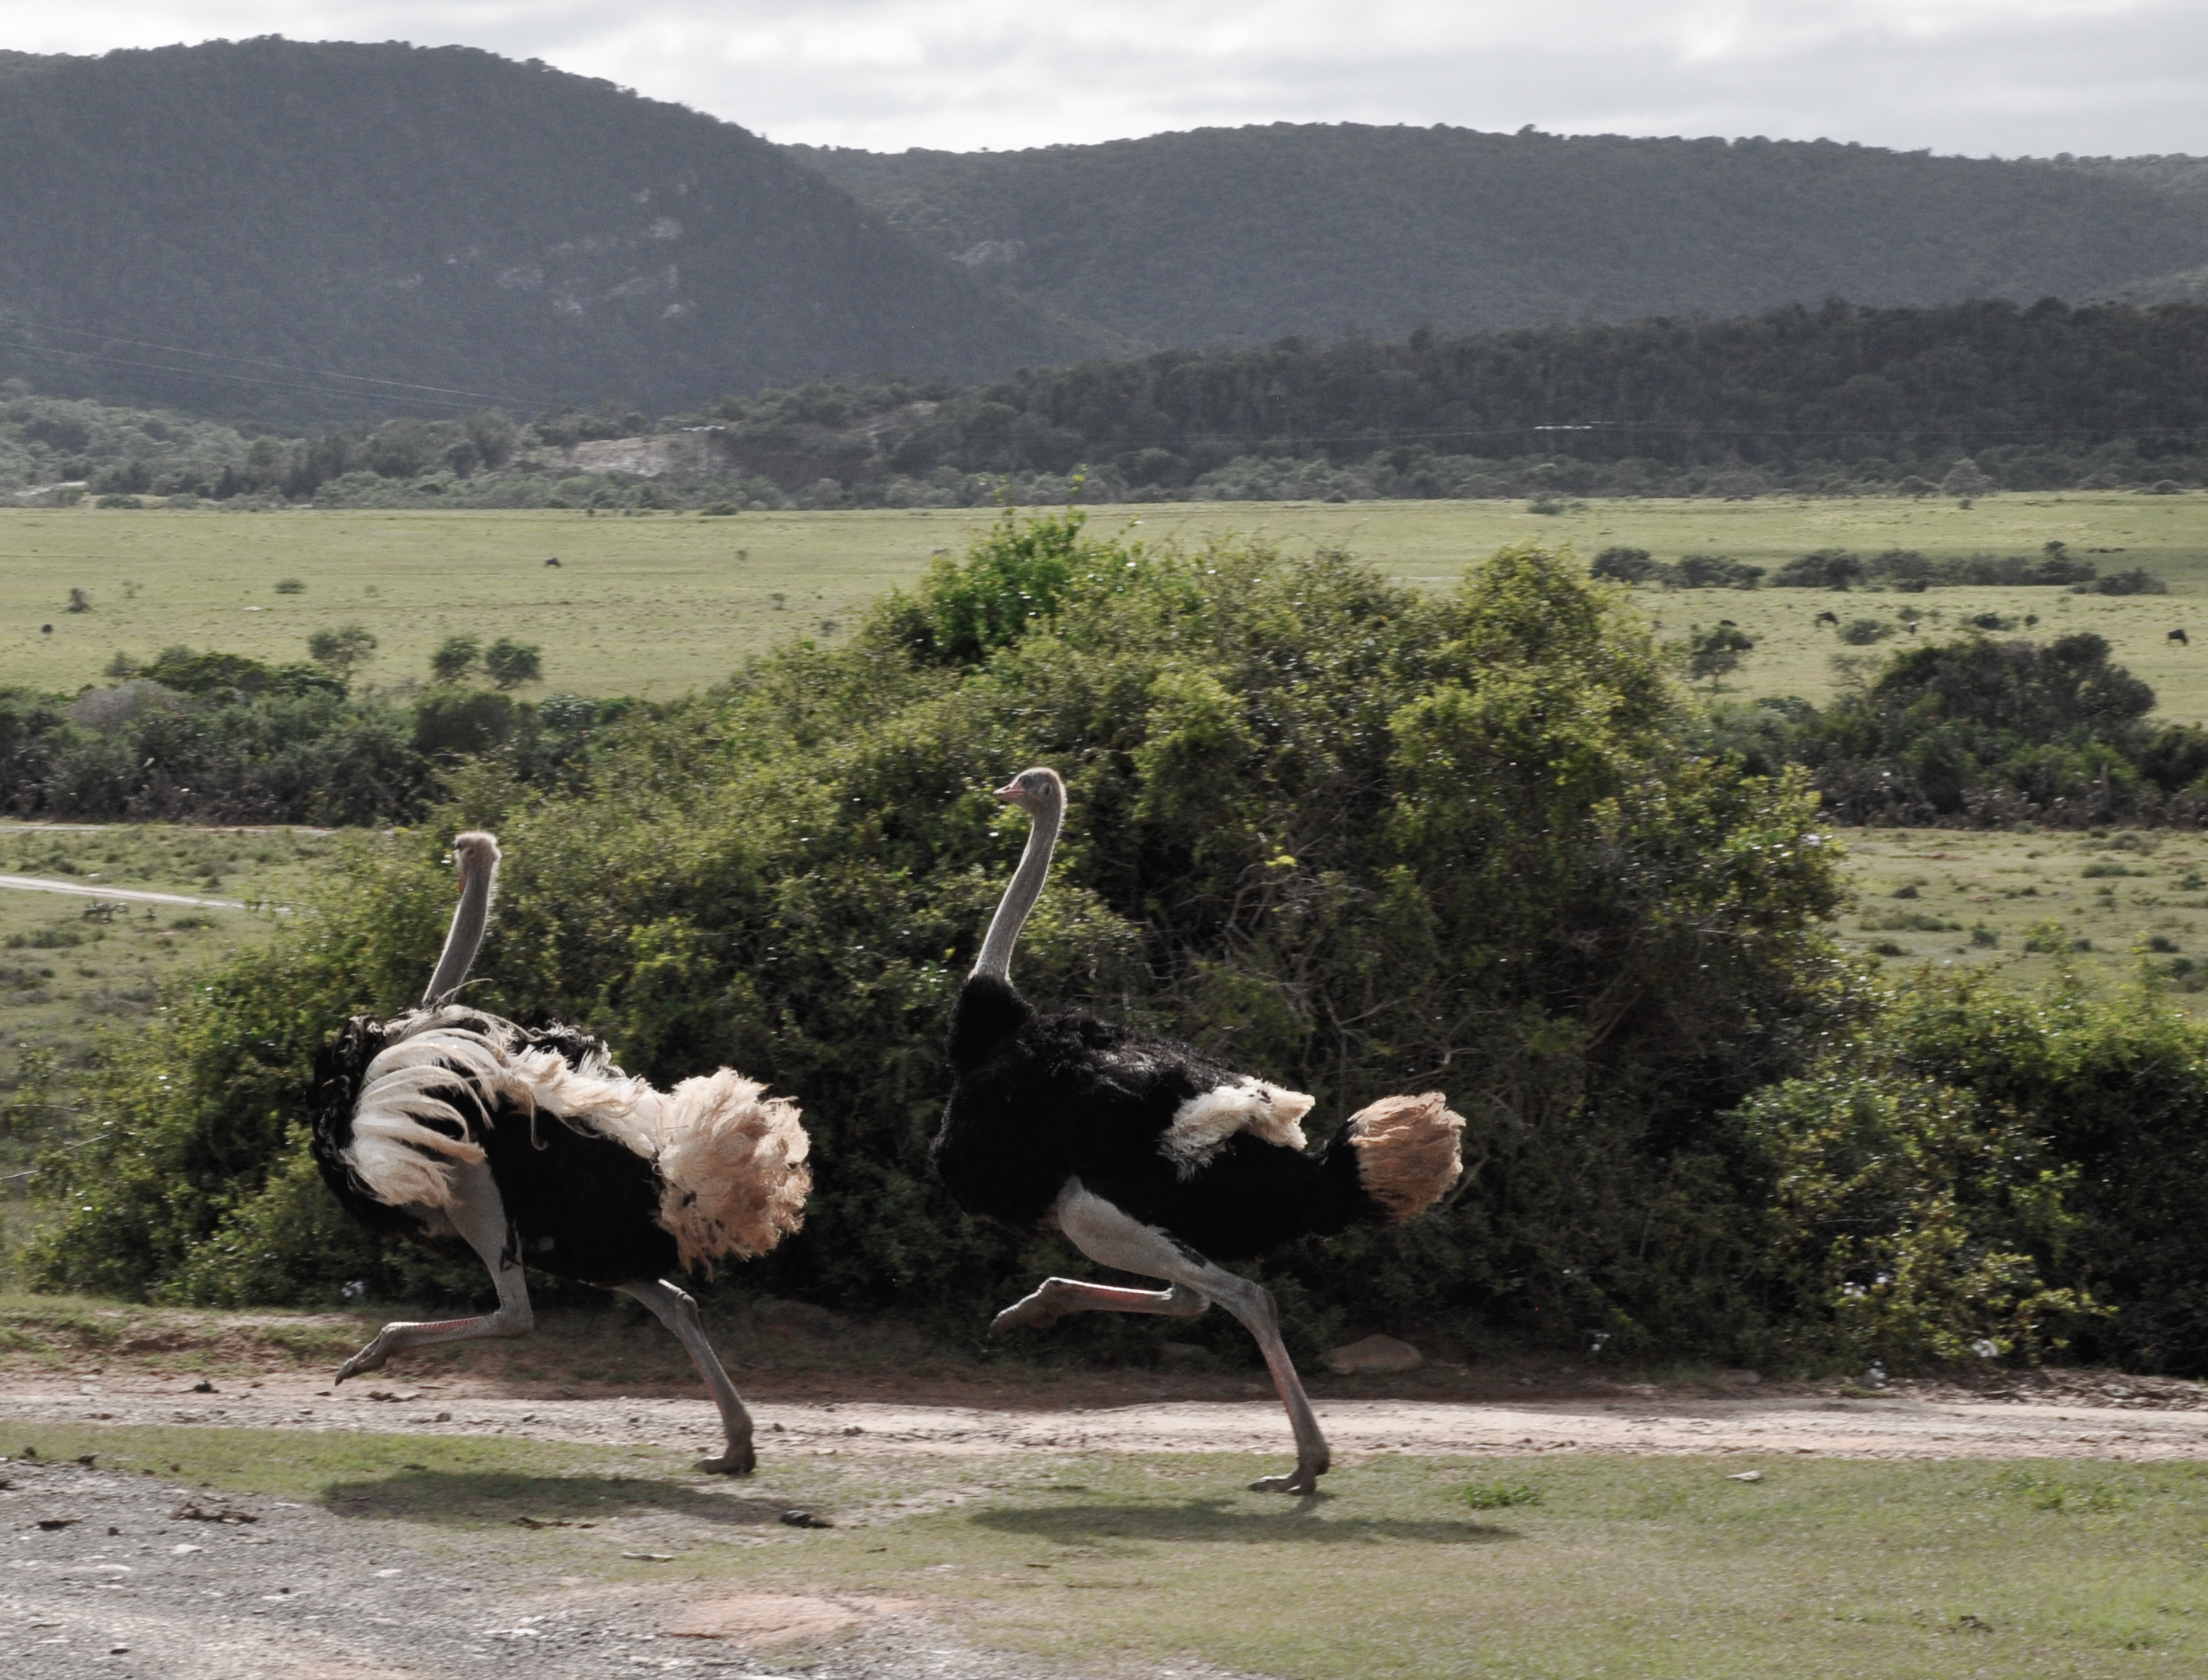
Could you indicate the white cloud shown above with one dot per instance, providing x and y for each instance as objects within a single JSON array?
[{"x": 2003, "y": 76}]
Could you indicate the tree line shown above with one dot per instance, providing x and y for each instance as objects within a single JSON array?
[{"x": 1961, "y": 401}]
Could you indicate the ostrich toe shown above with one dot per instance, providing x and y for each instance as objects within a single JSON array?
[
  {"x": 1302, "y": 1482},
  {"x": 738, "y": 1460},
  {"x": 370, "y": 1357},
  {"x": 1034, "y": 1312}
]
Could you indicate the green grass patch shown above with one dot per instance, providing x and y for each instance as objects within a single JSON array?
[
  {"x": 1616, "y": 1566},
  {"x": 1501, "y": 1496},
  {"x": 662, "y": 605},
  {"x": 2109, "y": 907}
]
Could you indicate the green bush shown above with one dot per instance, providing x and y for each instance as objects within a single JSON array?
[
  {"x": 1910, "y": 1222},
  {"x": 2116, "y": 1094},
  {"x": 1361, "y": 839}
]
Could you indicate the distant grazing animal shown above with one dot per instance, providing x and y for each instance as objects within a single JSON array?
[
  {"x": 1829, "y": 616},
  {"x": 1150, "y": 1156},
  {"x": 552, "y": 560},
  {"x": 527, "y": 1145},
  {"x": 2178, "y": 635}
]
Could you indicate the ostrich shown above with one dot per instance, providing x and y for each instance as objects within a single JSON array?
[
  {"x": 525, "y": 1144},
  {"x": 1150, "y": 1157}
]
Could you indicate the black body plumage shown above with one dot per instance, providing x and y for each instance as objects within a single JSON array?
[
  {"x": 1040, "y": 1099},
  {"x": 577, "y": 1204}
]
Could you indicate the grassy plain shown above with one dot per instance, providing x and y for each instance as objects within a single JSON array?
[
  {"x": 74, "y": 969},
  {"x": 661, "y": 604},
  {"x": 2113, "y": 906},
  {"x": 1540, "y": 1567}
]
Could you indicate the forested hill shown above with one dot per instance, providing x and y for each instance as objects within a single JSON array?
[
  {"x": 1240, "y": 236},
  {"x": 440, "y": 217},
  {"x": 1966, "y": 398}
]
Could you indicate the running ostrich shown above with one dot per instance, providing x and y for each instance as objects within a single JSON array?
[
  {"x": 1150, "y": 1156},
  {"x": 527, "y": 1143}
]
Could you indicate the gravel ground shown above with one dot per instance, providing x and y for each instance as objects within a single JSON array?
[{"x": 106, "y": 1574}]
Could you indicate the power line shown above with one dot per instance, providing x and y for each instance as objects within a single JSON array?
[
  {"x": 435, "y": 391},
  {"x": 80, "y": 357}
]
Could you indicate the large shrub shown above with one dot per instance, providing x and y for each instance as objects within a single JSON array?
[{"x": 1364, "y": 840}]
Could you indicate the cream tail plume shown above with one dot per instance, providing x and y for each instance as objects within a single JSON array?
[
  {"x": 478, "y": 854},
  {"x": 996, "y": 957}
]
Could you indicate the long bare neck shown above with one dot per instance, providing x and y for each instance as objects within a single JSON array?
[
  {"x": 479, "y": 874},
  {"x": 996, "y": 957}
]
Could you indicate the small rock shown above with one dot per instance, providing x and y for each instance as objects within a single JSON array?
[
  {"x": 806, "y": 1520},
  {"x": 196, "y": 1513},
  {"x": 650, "y": 1556},
  {"x": 1745, "y": 1476},
  {"x": 1374, "y": 1353},
  {"x": 203, "y": 1387},
  {"x": 85, "y": 1458},
  {"x": 59, "y": 1521}
]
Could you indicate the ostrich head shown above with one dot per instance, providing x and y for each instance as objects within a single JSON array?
[
  {"x": 1042, "y": 795},
  {"x": 477, "y": 855},
  {"x": 1034, "y": 791}
]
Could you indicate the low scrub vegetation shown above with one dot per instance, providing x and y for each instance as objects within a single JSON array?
[
  {"x": 1984, "y": 732},
  {"x": 220, "y": 737}
]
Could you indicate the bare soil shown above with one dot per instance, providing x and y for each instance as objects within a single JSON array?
[{"x": 818, "y": 1383}]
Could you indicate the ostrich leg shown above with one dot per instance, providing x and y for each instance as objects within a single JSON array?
[
  {"x": 478, "y": 1216},
  {"x": 1057, "y": 1297},
  {"x": 674, "y": 1309},
  {"x": 1113, "y": 1238}
]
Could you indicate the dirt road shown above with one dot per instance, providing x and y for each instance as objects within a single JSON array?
[{"x": 2108, "y": 1421}]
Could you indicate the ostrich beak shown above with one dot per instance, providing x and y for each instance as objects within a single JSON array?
[{"x": 1010, "y": 793}]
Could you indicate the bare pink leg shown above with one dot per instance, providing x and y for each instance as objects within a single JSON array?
[
  {"x": 1111, "y": 1237},
  {"x": 1059, "y": 1296},
  {"x": 674, "y": 1309},
  {"x": 478, "y": 1216}
]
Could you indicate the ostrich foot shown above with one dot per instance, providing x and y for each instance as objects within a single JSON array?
[
  {"x": 739, "y": 1461},
  {"x": 1302, "y": 1482},
  {"x": 1037, "y": 1312},
  {"x": 370, "y": 1357}
]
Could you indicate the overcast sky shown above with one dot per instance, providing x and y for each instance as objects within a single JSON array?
[{"x": 2006, "y": 77}]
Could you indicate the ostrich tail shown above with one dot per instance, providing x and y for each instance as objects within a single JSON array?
[
  {"x": 1408, "y": 1153},
  {"x": 732, "y": 1159}
]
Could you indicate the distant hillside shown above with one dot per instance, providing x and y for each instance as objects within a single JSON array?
[
  {"x": 440, "y": 217},
  {"x": 1240, "y": 236}
]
